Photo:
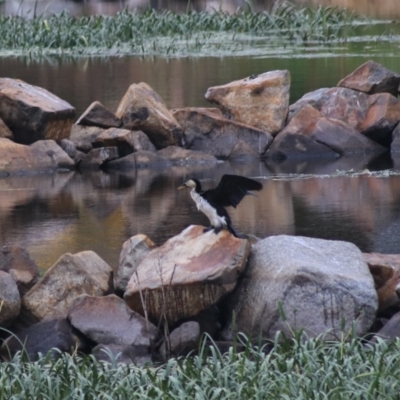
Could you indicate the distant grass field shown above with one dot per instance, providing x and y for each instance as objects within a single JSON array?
[
  {"x": 169, "y": 33},
  {"x": 296, "y": 369}
]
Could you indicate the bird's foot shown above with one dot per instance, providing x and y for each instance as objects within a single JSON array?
[{"x": 207, "y": 229}]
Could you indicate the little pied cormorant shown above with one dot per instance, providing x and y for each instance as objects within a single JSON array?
[{"x": 229, "y": 192}]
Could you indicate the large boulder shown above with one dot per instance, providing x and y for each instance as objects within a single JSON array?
[
  {"x": 33, "y": 113},
  {"x": 372, "y": 78},
  {"x": 5, "y": 131},
  {"x": 108, "y": 320},
  {"x": 98, "y": 115},
  {"x": 41, "y": 156},
  {"x": 10, "y": 301},
  {"x": 71, "y": 276},
  {"x": 290, "y": 283},
  {"x": 187, "y": 274},
  {"x": 18, "y": 263},
  {"x": 41, "y": 338},
  {"x": 142, "y": 108},
  {"x": 207, "y": 132},
  {"x": 260, "y": 100}
]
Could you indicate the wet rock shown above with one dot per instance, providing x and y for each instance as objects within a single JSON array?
[
  {"x": 372, "y": 78},
  {"x": 385, "y": 269},
  {"x": 71, "y": 276},
  {"x": 134, "y": 250},
  {"x": 140, "y": 159},
  {"x": 220, "y": 137},
  {"x": 322, "y": 286},
  {"x": 33, "y": 113},
  {"x": 121, "y": 354},
  {"x": 125, "y": 140},
  {"x": 69, "y": 147},
  {"x": 390, "y": 331},
  {"x": 17, "y": 262},
  {"x": 5, "y": 131},
  {"x": 41, "y": 156},
  {"x": 10, "y": 302},
  {"x": 178, "y": 155},
  {"x": 98, "y": 115},
  {"x": 142, "y": 108},
  {"x": 261, "y": 101},
  {"x": 40, "y": 338},
  {"x": 182, "y": 340},
  {"x": 84, "y": 136},
  {"x": 108, "y": 320},
  {"x": 97, "y": 158},
  {"x": 187, "y": 274}
]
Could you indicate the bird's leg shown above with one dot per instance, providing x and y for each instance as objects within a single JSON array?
[{"x": 208, "y": 229}]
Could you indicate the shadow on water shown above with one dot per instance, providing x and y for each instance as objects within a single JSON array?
[{"x": 54, "y": 214}]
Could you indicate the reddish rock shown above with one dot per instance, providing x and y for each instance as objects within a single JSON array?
[
  {"x": 17, "y": 262},
  {"x": 10, "y": 302},
  {"x": 142, "y": 108},
  {"x": 187, "y": 274},
  {"x": 98, "y": 115},
  {"x": 33, "y": 113},
  {"x": 372, "y": 78},
  {"x": 220, "y": 137},
  {"x": 261, "y": 101}
]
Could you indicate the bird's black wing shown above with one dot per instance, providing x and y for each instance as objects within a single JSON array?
[{"x": 231, "y": 190}]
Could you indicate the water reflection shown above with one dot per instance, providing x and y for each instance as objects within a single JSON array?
[{"x": 54, "y": 214}]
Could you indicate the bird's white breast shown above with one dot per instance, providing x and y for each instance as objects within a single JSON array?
[{"x": 204, "y": 206}]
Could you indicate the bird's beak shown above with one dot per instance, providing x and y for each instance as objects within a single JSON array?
[{"x": 182, "y": 187}]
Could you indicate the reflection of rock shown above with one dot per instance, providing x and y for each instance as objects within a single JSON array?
[
  {"x": 33, "y": 113},
  {"x": 197, "y": 270},
  {"x": 290, "y": 283}
]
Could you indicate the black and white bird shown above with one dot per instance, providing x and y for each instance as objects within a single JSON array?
[{"x": 229, "y": 192}]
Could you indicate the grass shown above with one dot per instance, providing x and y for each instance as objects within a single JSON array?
[
  {"x": 169, "y": 33},
  {"x": 296, "y": 369}
]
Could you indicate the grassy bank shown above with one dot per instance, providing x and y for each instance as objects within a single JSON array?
[
  {"x": 297, "y": 370},
  {"x": 168, "y": 33}
]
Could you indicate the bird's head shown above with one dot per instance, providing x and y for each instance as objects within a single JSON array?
[{"x": 188, "y": 184}]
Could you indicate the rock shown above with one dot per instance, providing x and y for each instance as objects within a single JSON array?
[
  {"x": 182, "y": 340},
  {"x": 10, "y": 302},
  {"x": 17, "y": 262},
  {"x": 143, "y": 109},
  {"x": 121, "y": 354},
  {"x": 108, "y": 320},
  {"x": 321, "y": 286},
  {"x": 98, "y": 115},
  {"x": 314, "y": 99},
  {"x": 69, "y": 147},
  {"x": 390, "y": 331},
  {"x": 395, "y": 145},
  {"x": 134, "y": 250},
  {"x": 125, "y": 140},
  {"x": 385, "y": 268},
  {"x": 140, "y": 159},
  {"x": 44, "y": 337},
  {"x": 178, "y": 155},
  {"x": 33, "y": 113},
  {"x": 187, "y": 274},
  {"x": 42, "y": 156},
  {"x": 71, "y": 276},
  {"x": 261, "y": 101},
  {"x": 372, "y": 78},
  {"x": 5, "y": 131},
  {"x": 84, "y": 136},
  {"x": 220, "y": 137},
  {"x": 97, "y": 158}
]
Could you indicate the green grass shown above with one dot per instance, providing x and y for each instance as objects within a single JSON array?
[
  {"x": 169, "y": 33},
  {"x": 300, "y": 369}
]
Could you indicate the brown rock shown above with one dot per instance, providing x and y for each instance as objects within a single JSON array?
[
  {"x": 69, "y": 147},
  {"x": 178, "y": 155},
  {"x": 5, "y": 131},
  {"x": 84, "y": 136},
  {"x": 97, "y": 158},
  {"x": 44, "y": 155},
  {"x": 98, "y": 115},
  {"x": 372, "y": 78},
  {"x": 143, "y": 109},
  {"x": 140, "y": 159},
  {"x": 17, "y": 262},
  {"x": 261, "y": 101},
  {"x": 188, "y": 273},
  {"x": 385, "y": 268},
  {"x": 71, "y": 276},
  {"x": 220, "y": 137},
  {"x": 10, "y": 302},
  {"x": 125, "y": 140},
  {"x": 33, "y": 113}
]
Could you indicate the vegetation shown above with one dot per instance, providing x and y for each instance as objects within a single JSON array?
[
  {"x": 297, "y": 369},
  {"x": 170, "y": 33}
]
